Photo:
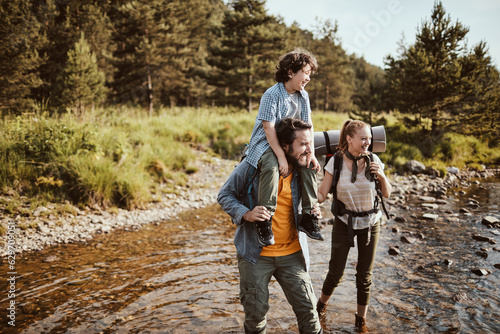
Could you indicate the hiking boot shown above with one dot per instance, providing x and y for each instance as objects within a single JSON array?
[
  {"x": 265, "y": 231},
  {"x": 309, "y": 225},
  {"x": 360, "y": 324},
  {"x": 321, "y": 308}
]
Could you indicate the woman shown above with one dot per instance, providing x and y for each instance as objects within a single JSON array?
[{"x": 356, "y": 213}]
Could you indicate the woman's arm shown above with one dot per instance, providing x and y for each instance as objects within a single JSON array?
[{"x": 324, "y": 187}]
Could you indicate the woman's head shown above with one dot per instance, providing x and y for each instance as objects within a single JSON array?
[
  {"x": 293, "y": 62},
  {"x": 356, "y": 135}
]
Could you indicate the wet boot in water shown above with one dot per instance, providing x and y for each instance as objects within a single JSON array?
[{"x": 360, "y": 324}]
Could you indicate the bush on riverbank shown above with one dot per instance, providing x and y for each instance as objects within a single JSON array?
[
  {"x": 123, "y": 158},
  {"x": 111, "y": 157},
  {"x": 436, "y": 149}
]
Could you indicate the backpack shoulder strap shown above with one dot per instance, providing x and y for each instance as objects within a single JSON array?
[
  {"x": 247, "y": 189},
  {"x": 337, "y": 167}
]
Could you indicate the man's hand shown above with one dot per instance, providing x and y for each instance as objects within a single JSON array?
[
  {"x": 258, "y": 214},
  {"x": 316, "y": 211}
]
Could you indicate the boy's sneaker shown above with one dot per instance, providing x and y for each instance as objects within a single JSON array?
[
  {"x": 309, "y": 225},
  {"x": 265, "y": 231}
]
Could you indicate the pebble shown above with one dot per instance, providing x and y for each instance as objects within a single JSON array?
[
  {"x": 480, "y": 271},
  {"x": 430, "y": 216},
  {"x": 394, "y": 250}
]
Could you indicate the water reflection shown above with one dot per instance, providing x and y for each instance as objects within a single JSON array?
[{"x": 181, "y": 277}]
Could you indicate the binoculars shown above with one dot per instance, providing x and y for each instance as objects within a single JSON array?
[{"x": 326, "y": 142}]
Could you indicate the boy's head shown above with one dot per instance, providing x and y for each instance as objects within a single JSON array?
[{"x": 293, "y": 62}]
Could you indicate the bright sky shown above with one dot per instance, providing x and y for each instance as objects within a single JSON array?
[{"x": 373, "y": 28}]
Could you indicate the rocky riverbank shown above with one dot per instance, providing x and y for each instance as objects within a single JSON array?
[
  {"x": 421, "y": 203},
  {"x": 49, "y": 228}
]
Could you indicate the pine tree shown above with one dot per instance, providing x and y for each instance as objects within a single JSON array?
[
  {"x": 250, "y": 44},
  {"x": 157, "y": 41},
  {"x": 369, "y": 86},
  {"x": 424, "y": 80},
  {"x": 333, "y": 83},
  {"x": 19, "y": 59},
  {"x": 478, "y": 108},
  {"x": 82, "y": 84}
]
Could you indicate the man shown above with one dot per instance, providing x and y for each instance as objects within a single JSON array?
[{"x": 288, "y": 259}]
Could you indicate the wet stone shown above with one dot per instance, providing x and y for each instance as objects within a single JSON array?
[
  {"x": 427, "y": 199},
  {"x": 480, "y": 271},
  {"x": 394, "y": 250},
  {"x": 448, "y": 262},
  {"x": 460, "y": 297},
  {"x": 51, "y": 258},
  {"x": 400, "y": 219},
  {"x": 430, "y": 216},
  {"x": 490, "y": 221},
  {"x": 408, "y": 240},
  {"x": 482, "y": 254}
]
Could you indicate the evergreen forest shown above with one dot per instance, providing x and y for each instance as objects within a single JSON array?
[{"x": 73, "y": 56}]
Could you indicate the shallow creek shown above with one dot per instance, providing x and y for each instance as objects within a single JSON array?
[{"x": 180, "y": 276}]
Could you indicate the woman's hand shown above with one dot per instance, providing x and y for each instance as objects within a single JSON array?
[
  {"x": 376, "y": 169},
  {"x": 316, "y": 211},
  {"x": 385, "y": 186}
]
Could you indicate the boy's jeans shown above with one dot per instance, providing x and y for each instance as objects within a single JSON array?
[{"x": 269, "y": 182}]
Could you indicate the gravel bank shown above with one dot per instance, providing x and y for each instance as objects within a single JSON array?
[
  {"x": 52, "y": 228},
  {"x": 201, "y": 191}
]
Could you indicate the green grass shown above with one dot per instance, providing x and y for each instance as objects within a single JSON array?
[{"x": 121, "y": 157}]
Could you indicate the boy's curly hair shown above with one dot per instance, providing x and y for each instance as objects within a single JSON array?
[{"x": 294, "y": 61}]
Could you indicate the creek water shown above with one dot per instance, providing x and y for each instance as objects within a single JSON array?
[{"x": 181, "y": 276}]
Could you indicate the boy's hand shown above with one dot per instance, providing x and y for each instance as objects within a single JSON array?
[
  {"x": 315, "y": 164},
  {"x": 283, "y": 166}
]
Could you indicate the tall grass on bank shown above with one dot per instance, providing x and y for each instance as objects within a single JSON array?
[
  {"x": 112, "y": 157},
  {"x": 123, "y": 158}
]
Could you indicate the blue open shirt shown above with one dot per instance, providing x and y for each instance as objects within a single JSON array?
[{"x": 235, "y": 201}]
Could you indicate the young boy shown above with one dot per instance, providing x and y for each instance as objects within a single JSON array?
[{"x": 287, "y": 98}]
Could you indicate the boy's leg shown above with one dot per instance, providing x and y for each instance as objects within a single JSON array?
[
  {"x": 309, "y": 185},
  {"x": 269, "y": 180},
  {"x": 268, "y": 194}
]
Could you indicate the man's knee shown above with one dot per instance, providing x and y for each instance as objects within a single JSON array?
[{"x": 255, "y": 304}]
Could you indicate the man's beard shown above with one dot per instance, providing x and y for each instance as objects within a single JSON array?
[{"x": 294, "y": 161}]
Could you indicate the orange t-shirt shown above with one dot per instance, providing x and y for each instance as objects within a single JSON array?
[{"x": 285, "y": 234}]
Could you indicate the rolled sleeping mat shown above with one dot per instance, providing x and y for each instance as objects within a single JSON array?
[{"x": 326, "y": 142}]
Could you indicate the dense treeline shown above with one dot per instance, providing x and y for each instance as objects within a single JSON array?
[{"x": 71, "y": 55}]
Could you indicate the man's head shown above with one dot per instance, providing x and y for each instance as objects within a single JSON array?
[
  {"x": 293, "y": 62},
  {"x": 295, "y": 138}
]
